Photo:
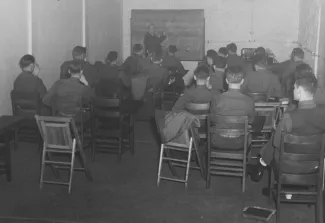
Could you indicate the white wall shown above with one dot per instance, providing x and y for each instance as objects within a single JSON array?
[
  {"x": 249, "y": 23},
  {"x": 13, "y": 44},
  {"x": 57, "y": 28},
  {"x": 104, "y": 28}
]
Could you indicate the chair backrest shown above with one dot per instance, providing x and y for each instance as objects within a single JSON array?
[
  {"x": 224, "y": 124},
  {"x": 301, "y": 151},
  {"x": 258, "y": 97},
  {"x": 271, "y": 113},
  {"x": 106, "y": 108},
  {"x": 201, "y": 111},
  {"x": 198, "y": 108},
  {"x": 247, "y": 53},
  {"x": 25, "y": 104},
  {"x": 58, "y": 132}
]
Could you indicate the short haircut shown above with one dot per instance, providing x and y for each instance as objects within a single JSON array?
[
  {"x": 302, "y": 69},
  {"x": 223, "y": 50},
  {"x": 211, "y": 53},
  {"x": 232, "y": 47},
  {"x": 137, "y": 48},
  {"x": 259, "y": 59},
  {"x": 202, "y": 72},
  {"x": 26, "y": 60},
  {"x": 112, "y": 56},
  {"x": 308, "y": 82},
  {"x": 260, "y": 51},
  {"x": 172, "y": 49},
  {"x": 78, "y": 51},
  {"x": 75, "y": 67},
  {"x": 235, "y": 75},
  {"x": 298, "y": 52},
  {"x": 220, "y": 62}
]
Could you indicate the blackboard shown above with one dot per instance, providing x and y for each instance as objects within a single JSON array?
[{"x": 184, "y": 28}]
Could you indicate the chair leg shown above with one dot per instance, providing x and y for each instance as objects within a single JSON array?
[
  {"x": 84, "y": 165},
  {"x": 208, "y": 173},
  {"x": 270, "y": 185},
  {"x": 42, "y": 167},
  {"x": 278, "y": 202},
  {"x": 93, "y": 150},
  {"x": 188, "y": 163},
  {"x": 16, "y": 139},
  {"x": 131, "y": 141},
  {"x": 160, "y": 163},
  {"x": 120, "y": 146},
  {"x": 72, "y": 165}
]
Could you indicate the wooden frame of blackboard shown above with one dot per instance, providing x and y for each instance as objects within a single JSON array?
[{"x": 203, "y": 41}]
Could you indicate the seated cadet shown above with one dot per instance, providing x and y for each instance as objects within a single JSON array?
[
  {"x": 279, "y": 68},
  {"x": 307, "y": 119},
  {"x": 233, "y": 60},
  {"x": 287, "y": 76},
  {"x": 233, "y": 102},
  {"x": 223, "y": 52},
  {"x": 199, "y": 93},
  {"x": 208, "y": 60},
  {"x": 28, "y": 81},
  {"x": 109, "y": 82},
  {"x": 76, "y": 86},
  {"x": 170, "y": 61},
  {"x": 218, "y": 74},
  {"x": 157, "y": 75},
  {"x": 89, "y": 71},
  {"x": 262, "y": 80},
  {"x": 136, "y": 63}
]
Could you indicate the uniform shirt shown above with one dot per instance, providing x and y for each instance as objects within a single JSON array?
[
  {"x": 233, "y": 60},
  {"x": 157, "y": 75},
  {"x": 89, "y": 71},
  {"x": 29, "y": 83},
  {"x": 232, "y": 103},
  {"x": 217, "y": 80},
  {"x": 262, "y": 81},
  {"x": 152, "y": 42},
  {"x": 66, "y": 95},
  {"x": 307, "y": 119},
  {"x": 172, "y": 62},
  {"x": 134, "y": 65},
  {"x": 195, "y": 94},
  {"x": 109, "y": 82}
]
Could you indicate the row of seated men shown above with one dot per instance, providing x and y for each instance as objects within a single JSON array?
[
  {"x": 305, "y": 116},
  {"x": 82, "y": 78}
]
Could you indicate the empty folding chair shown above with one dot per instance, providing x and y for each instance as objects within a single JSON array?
[{"x": 60, "y": 136}]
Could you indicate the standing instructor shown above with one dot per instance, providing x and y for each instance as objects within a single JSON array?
[{"x": 151, "y": 41}]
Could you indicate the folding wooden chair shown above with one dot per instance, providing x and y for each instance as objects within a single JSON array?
[
  {"x": 270, "y": 111},
  {"x": 186, "y": 143},
  {"x": 201, "y": 111},
  {"x": 299, "y": 167},
  {"x": 227, "y": 162},
  {"x": 112, "y": 131},
  {"x": 60, "y": 136}
]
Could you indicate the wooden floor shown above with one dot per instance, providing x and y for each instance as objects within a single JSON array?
[{"x": 127, "y": 193}]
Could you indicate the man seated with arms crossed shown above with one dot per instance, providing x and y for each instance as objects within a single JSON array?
[
  {"x": 306, "y": 119},
  {"x": 199, "y": 93},
  {"x": 233, "y": 102},
  {"x": 89, "y": 71},
  {"x": 262, "y": 80},
  {"x": 67, "y": 95}
]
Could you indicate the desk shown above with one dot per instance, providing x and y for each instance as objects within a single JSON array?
[{"x": 7, "y": 124}]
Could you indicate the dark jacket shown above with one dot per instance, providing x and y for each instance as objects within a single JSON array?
[
  {"x": 89, "y": 71},
  {"x": 67, "y": 95},
  {"x": 29, "y": 83}
]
